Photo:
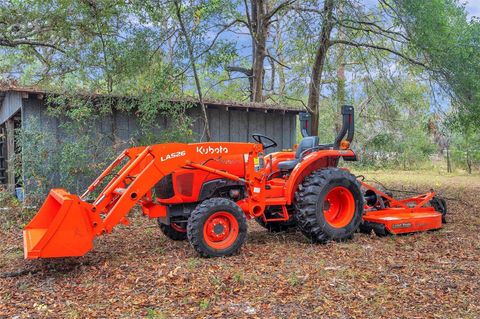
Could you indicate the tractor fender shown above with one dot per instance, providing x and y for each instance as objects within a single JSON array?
[{"x": 310, "y": 163}]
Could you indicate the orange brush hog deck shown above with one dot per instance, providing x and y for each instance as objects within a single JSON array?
[{"x": 399, "y": 221}]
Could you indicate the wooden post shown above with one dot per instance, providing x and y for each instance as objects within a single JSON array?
[
  {"x": 10, "y": 156},
  {"x": 3, "y": 151}
]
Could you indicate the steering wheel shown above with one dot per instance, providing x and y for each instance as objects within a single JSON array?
[{"x": 262, "y": 139}]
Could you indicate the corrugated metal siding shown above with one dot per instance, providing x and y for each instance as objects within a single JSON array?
[
  {"x": 12, "y": 103},
  {"x": 119, "y": 127},
  {"x": 238, "y": 126},
  {"x": 225, "y": 125}
]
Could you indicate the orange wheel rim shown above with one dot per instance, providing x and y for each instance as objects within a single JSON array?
[
  {"x": 220, "y": 230},
  {"x": 339, "y": 207}
]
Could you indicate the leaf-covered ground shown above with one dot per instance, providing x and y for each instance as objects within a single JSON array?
[{"x": 136, "y": 272}]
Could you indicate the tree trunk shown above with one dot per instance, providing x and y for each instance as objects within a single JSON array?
[
  {"x": 318, "y": 65},
  {"x": 10, "y": 156},
  {"x": 279, "y": 51},
  {"x": 449, "y": 163},
  {"x": 194, "y": 68},
  {"x": 260, "y": 29},
  {"x": 341, "y": 80},
  {"x": 469, "y": 162},
  {"x": 259, "y": 17}
]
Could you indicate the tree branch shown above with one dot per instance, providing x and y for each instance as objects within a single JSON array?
[
  {"x": 274, "y": 11},
  {"x": 247, "y": 72},
  {"x": 301, "y": 101},
  {"x": 14, "y": 43},
  {"x": 268, "y": 55},
  {"x": 380, "y": 30},
  {"x": 310, "y": 10},
  {"x": 225, "y": 28},
  {"x": 377, "y": 47}
]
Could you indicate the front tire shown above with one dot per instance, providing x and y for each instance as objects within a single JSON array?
[
  {"x": 217, "y": 227},
  {"x": 329, "y": 205}
]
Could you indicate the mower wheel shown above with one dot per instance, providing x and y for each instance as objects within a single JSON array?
[
  {"x": 440, "y": 205},
  {"x": 217, "y": 227},
  {"x": 174, "y": 231},
  {"x": 329, "y": 205},
  {"x": 276, "y": 227},
  {"x": 381, "y": 231},
  {"x": 364, "y": 228}
]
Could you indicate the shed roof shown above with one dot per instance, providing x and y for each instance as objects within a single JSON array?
[{"x": 210, "y": 103}]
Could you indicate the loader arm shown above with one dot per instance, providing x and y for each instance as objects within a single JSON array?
[{"x": 66, "y": 224}]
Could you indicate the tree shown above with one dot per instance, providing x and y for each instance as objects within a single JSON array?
[
  {"x": 258, "y": 19},
  {"x": 64, "y": 38},
  {"x": 191, "y": 57},
  {"x": 366, "y": 31},
  {"x": 440, "y": 31}
]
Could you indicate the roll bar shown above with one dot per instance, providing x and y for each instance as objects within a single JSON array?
[
  {"x": 348, "y": 126},
  {"x": 305, "y": 128}
]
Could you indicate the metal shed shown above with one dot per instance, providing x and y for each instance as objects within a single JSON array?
[{"x": 229, "y": 121}]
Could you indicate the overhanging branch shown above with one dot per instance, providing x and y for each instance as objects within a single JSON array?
[
  {"x": 374, "y": 28},
  {"x": 279, "y": 7},
  {"x": 381, "y": 48},
  {"x": 15, "y": 43},
  {"x": 246, "y": 71}
]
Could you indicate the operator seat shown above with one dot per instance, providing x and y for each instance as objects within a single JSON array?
[{"x": 305, "y": 144}]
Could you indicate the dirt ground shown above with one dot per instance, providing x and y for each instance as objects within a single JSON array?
[{"x": 137, "y": 273}]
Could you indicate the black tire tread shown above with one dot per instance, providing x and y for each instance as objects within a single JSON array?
[
  {"x": 440, "y": 205},
  {"x": 306, "y": 199},
  {"x": 195, "y": 226}
]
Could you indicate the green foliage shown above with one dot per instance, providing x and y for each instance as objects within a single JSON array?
[
  {"x": 82, "y": 150},
  {"x": 46, "y": 163},
  {"x": 394, "y": 132},
  {"x": 13, "y": 213},
  {"x": 131, "y": 57},
  {"x": 204, "y": 304},
  {"x": 464, "y": 150},
  {"x": 38, "y": 158},
  {"x": 154, "y": 314},
  {"x": 440, "y": 30}
]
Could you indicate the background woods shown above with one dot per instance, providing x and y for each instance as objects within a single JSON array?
[{"x": 410, "y": 67}]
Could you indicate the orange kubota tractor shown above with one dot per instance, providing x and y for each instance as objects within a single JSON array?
[{"x": 205, "y": 192}]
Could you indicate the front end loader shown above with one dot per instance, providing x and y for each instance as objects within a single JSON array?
[{"x": 205, "y": 192}]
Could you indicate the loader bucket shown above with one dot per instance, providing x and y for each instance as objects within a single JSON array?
[{"x": 61, "y": 228}]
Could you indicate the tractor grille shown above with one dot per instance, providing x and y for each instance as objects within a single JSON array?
[{"x": 164, "y": 188}]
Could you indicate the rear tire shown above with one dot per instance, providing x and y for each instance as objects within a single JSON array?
[
  {"x": 217, "y": 227},
  {"x": 173, "y": 231},
  {"x": 329, "y": 205}
]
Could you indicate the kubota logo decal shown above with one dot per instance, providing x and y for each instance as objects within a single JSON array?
[
  {"x": 212, "y": 150},
  {"x": 172, "y": 155}
]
